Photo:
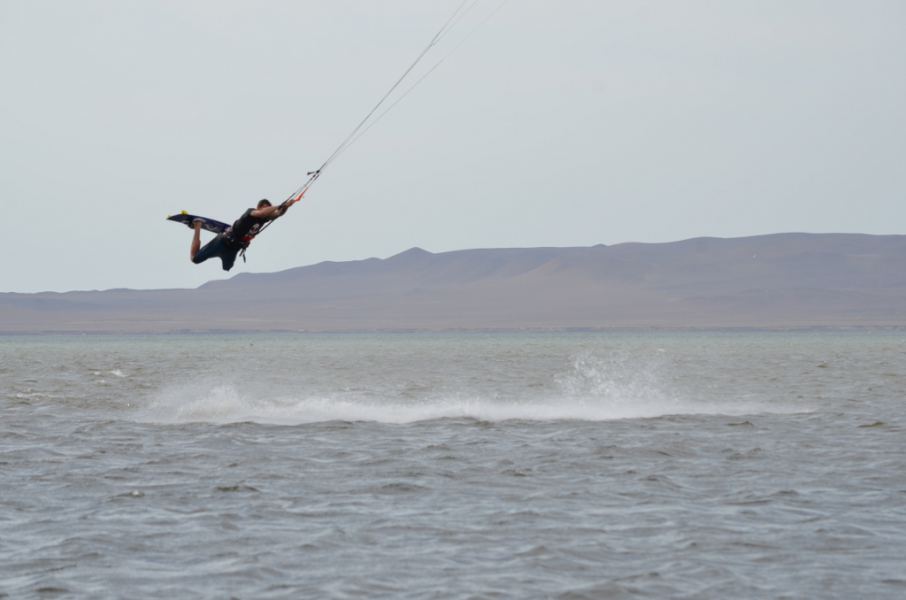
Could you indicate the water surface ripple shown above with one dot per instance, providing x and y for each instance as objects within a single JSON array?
[{"x": 618, "y": 465}]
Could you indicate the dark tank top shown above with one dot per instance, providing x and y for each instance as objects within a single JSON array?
[{"x": 245, "y": 228}]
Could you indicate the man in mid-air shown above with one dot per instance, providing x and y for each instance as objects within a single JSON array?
[{"x": 228, "y": 244}]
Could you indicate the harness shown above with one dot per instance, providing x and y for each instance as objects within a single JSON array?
[
  {"x": 246, "y": 242},
  {"x": 242, "y": 224}
]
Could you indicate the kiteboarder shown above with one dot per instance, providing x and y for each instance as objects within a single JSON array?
[
  {"x": 236, "y": 238},
  {"x": 232, "y": 241}
]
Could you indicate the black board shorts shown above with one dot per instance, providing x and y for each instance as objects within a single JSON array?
[{"x": 219, "y": 246}]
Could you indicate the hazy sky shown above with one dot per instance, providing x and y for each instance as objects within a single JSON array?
[{"x": 558, "y": 123}]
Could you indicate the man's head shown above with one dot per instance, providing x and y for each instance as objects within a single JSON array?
[{"x": 263, "y": 202}]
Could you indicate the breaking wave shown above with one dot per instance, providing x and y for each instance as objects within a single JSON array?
[{"x": 593, "y": 390}]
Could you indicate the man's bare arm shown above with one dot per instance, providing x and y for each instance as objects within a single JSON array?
[{"x": 271, "y": 212}]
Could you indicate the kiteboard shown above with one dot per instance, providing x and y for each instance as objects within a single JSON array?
[{"x": 207, "y": 224}]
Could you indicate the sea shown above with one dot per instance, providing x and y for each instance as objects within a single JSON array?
[{"x": 569, "y": 465}]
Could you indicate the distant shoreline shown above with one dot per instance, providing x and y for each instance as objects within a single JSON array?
[{"x": 393, "y": 332}]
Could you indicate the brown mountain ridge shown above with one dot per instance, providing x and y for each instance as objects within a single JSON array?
[{"x": 784, "y": 280}]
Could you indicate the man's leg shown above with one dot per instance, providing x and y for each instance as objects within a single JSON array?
[
  {"x": 228, "y": 258},
  {"x": 196, "y": 241},
  {"x": 216, "y": 247}
]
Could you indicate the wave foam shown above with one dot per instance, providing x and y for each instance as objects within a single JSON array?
[
  {"x": 225, "y": 405},
  {"x": 592, "y": 391}
]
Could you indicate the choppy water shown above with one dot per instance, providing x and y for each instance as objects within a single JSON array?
[{"x": 684, "y": 465}]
